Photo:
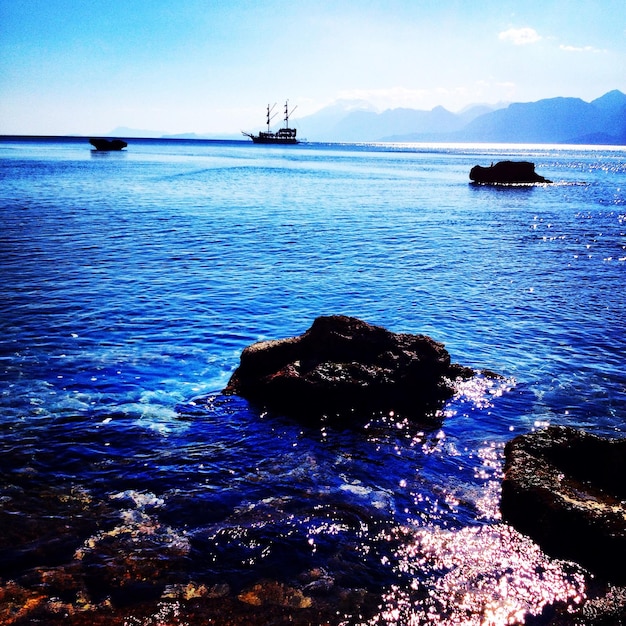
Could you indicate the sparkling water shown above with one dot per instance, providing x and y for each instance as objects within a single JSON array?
[{"x": 132, "y": 281}]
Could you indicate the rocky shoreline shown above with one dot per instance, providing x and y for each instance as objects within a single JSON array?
[
  {"x": 99, "y": 560},
  {"x": 562, "y": 487}
]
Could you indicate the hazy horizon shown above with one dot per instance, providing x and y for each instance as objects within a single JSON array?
[{"x": 212, "y": 68}]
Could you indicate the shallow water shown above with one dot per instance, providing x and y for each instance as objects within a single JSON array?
[{"x": 133, "y": 280}]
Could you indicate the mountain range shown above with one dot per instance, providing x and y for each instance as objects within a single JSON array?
[{"x": 553, "y": 120}]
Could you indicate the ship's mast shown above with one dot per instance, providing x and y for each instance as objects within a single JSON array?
[
  {"x": 287, "y": 113},
  {"x": 269, "y": 119}
]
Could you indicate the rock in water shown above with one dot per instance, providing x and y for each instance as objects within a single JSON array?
[
  {"x": 345, "y": 368},
  {"x": 567, "y": 490},
  {"x": 507, "y": 172}
]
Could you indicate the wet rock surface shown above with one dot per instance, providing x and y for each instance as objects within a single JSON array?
[
  {"x": 134, "y": 569},
  {"x": 342, "y": 368},
  {"x": 124, "y": 562},
  {"x": 565, "y": 488}
]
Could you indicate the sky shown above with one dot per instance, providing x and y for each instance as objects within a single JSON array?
[{"x": 85, "y": 67}]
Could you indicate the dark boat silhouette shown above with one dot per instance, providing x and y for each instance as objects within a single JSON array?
[
  {"x": 107, "y": 144},
  {"x": 506, "y": 173},
  {"x": 284, "y": 135}
]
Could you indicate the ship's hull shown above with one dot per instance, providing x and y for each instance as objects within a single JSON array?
[
  {"x": 273, "y": 140},
  {"x": 107, "y": 144},
  {"x": 282, "y": 136}
]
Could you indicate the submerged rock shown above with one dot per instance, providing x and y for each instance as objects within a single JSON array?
[
  {"x": 344, "y": 367},
  {"x": 565, "y": 488},
  {"x": 507, "y": 172},
  {"x": 274, "y": 592}
]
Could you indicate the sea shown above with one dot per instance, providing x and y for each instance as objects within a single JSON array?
[{"x": 133, "y": 493}]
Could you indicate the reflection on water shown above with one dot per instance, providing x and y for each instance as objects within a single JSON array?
[{"x": 477, "y": 576}]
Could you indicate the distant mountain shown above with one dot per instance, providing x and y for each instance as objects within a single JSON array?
[
  {"x": 353, "y": 121},
  {"x": 322, "y": 125},
  {"x": 135, "y": 133},
  {"x": 554, "y": 120},
  {"x": 208, "y": 136},
  {"x": 126, "y": 133}
]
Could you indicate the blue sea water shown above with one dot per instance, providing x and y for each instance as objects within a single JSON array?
[{"x": 131, "y": 282}]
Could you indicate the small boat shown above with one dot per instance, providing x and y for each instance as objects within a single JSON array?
[
  {"x": 507, "y": 173},
  {"x": 107, "y": 144},
  {"x": 284, "y": 135}
]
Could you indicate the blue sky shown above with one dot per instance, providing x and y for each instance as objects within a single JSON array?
[{"x": 211, "y": 66}]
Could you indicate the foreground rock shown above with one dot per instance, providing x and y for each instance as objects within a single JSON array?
[
  {"x": 344, "y": 367},
  {"x": 566, "y": 489},
  {"x": 507, "y": 172}
]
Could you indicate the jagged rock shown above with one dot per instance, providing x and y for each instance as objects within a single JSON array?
[
  {"x": 507, "y": 172},
  {"x": 565, "y": 488},
  {"x": 273, "y": 592},
  {"x": 344, "y": 367}
]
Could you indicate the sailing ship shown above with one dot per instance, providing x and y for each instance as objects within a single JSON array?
[{"x": 284, "y": 135}]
